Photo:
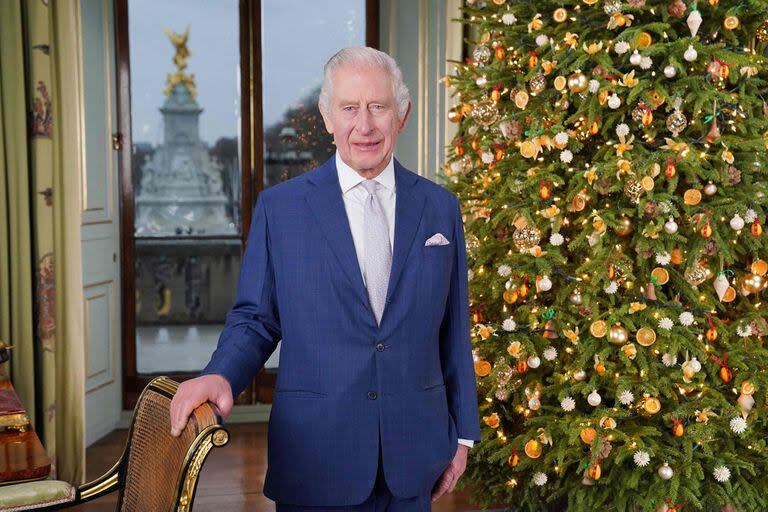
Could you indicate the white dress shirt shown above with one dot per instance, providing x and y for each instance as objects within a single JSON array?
[{"x": 354, "y": 203}]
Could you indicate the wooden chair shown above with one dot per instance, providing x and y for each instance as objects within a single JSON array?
[{"x": 156, "y": 471}]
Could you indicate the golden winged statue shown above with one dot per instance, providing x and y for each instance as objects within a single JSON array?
[{"x": 179, "y": 41}]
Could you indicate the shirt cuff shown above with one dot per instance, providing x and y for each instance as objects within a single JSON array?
[{"x": 466, "y": 442}]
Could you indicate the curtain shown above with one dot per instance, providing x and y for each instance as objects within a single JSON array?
[{"x": 40, "y": 277}]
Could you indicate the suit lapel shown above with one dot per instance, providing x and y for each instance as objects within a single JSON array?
[
  {"x": 409, "y": 207},
  {"x": 327, "y": 204}
]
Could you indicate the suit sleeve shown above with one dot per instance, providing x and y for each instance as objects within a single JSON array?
[
  {"x": 252, "y": 329},
  {"x": 455, "y": 345}
]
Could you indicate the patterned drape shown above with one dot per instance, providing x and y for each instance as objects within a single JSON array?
[{"x": 36, "y": 231}]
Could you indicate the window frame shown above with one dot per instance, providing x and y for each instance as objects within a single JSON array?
[{"x": 252, "y": 180}]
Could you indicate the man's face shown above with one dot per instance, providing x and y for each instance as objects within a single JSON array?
[{"x": 363, "y": 117}]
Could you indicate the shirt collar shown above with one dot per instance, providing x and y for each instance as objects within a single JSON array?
[{"x": 348, "y": 177}]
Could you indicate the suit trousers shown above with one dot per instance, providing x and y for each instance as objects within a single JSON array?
[{"x": 380, "y": 499}]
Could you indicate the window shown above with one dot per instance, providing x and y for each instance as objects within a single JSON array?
[{"x": 218, "y": 100}]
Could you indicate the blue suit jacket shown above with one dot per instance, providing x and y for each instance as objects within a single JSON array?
[{"x": 343, "y": 380}]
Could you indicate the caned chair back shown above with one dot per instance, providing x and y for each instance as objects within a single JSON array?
[{"x": 161, "y": 471}]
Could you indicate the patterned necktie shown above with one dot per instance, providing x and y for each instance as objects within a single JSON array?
[{"x": 378, "y": 253}]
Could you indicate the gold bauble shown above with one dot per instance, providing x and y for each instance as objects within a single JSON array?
[
  {"x": 579, "y": 375},
  {"x": 695, "y": 275},
  {"x": 624, "y": 227},
  {"x": 485, "y": 112},
  {"x": 538, "y": 83},
  {"x": 646, "y": 336},
  {"x": 526, "y": 237},
  {"x": 762, "y": 31},
  {"x": 598, "y": 328},
  {"x": 560, "y": 15},
  {"x": 676, "y": 122},
  {"x": 454, "y": 115},
  {"x": 633, "y": 190},
  {"x": 731, "y": 23},
  {"x": 577, "y": 82},
  {"x": 618, "y": 335},
  {"x": 533, "y": 449},
  {"x": 753, "y": 283}
]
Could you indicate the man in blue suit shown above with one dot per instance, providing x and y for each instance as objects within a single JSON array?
[{"x": 359, "y": 266}]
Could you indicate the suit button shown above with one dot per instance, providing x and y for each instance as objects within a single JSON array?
[
  {"x": 380, "y": 347},
  {"x": 372, "y": 395}
]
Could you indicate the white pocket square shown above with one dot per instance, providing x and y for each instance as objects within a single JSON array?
[{"x": 436, "y": 239}]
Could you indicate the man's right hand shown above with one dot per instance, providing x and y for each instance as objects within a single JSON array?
[{"x": 192, "y": 393}]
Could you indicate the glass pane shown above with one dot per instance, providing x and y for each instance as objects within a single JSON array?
[
  {"x": 294, "y": 51},
  {"x": 185, "y": 108}
]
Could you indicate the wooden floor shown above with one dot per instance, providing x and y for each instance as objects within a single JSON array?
[{"x": 232, "y": 478}]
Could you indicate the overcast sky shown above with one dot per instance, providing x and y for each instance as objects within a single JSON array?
[{"x": 298, "y": 37}]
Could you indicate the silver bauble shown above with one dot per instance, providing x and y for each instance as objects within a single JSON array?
[
  {"x": 670, "y": 226},
  {"x": 482, "y": 54},
  {"x": 665, "y": 472}
]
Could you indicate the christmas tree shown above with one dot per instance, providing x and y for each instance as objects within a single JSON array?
[{"x": 611, "y": 164}]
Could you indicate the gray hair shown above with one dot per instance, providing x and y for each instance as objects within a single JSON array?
[{"x": 365, "y": 56}]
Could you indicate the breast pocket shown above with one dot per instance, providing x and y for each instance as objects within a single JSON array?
[{"x": 437, "y": 263}]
